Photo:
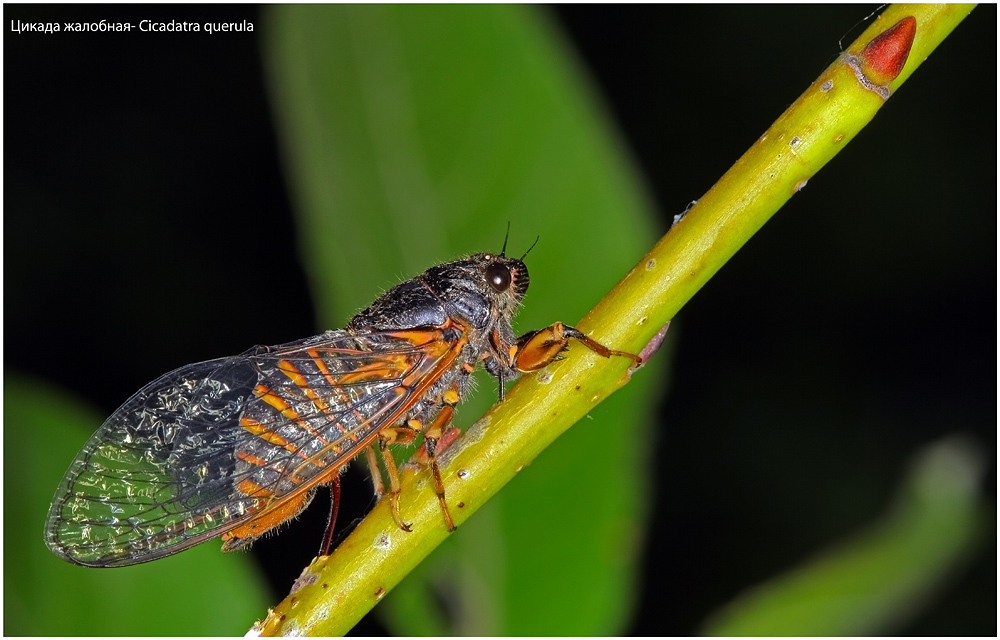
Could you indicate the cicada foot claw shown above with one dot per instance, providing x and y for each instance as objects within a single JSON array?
[{"x": 394, "y": 505}]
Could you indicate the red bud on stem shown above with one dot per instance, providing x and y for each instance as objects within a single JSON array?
[{"x": 883, "y": 59}]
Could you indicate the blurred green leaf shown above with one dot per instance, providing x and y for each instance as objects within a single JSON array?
[
  {"x": 413, "y": 135},
  {"x": 870, "y": 584},
  {"x": 198, "y": 592}
]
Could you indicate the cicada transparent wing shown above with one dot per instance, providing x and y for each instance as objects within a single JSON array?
[{"x": 214, "y": 445}]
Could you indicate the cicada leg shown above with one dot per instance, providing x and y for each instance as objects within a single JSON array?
[
  {"x": 538, "y": 349},
  {"x": 449, "y": 437},
  {"x": 385, "y": 438},
  {"x": 331, "y": 520},
  {"x": 437, "y": 438},
  {"x": 375, "y": 472}
]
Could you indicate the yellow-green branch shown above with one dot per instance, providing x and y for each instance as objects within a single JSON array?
[{"x": 334, "y": 592}]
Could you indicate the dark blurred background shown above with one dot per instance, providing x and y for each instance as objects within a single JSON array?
[{"x": 140, "y": 174}]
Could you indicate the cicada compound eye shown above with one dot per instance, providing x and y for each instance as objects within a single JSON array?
[{"x": 498, "y": 275}]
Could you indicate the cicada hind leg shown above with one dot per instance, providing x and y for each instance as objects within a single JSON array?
[{"x": 538, "y": 349}]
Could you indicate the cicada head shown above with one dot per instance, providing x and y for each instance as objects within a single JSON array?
[{"x": 485, "y": 290}]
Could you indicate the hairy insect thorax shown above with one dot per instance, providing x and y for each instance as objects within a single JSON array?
[{"x": 479, "y": 295}]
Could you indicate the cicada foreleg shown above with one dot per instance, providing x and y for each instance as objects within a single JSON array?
[{"x": 538, "y": 349}]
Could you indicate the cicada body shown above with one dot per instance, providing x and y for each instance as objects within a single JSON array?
[{"x": 236, "y": 446}]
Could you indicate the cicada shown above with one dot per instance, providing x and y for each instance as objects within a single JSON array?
[{"x": 236, "y": 446}]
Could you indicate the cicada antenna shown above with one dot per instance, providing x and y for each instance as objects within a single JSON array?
[
  {"x": 503, "y": 252},
  {"x": 530, "y": 248}
]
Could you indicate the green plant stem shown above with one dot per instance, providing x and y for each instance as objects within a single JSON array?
[{"x": 334, "y": 592}]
